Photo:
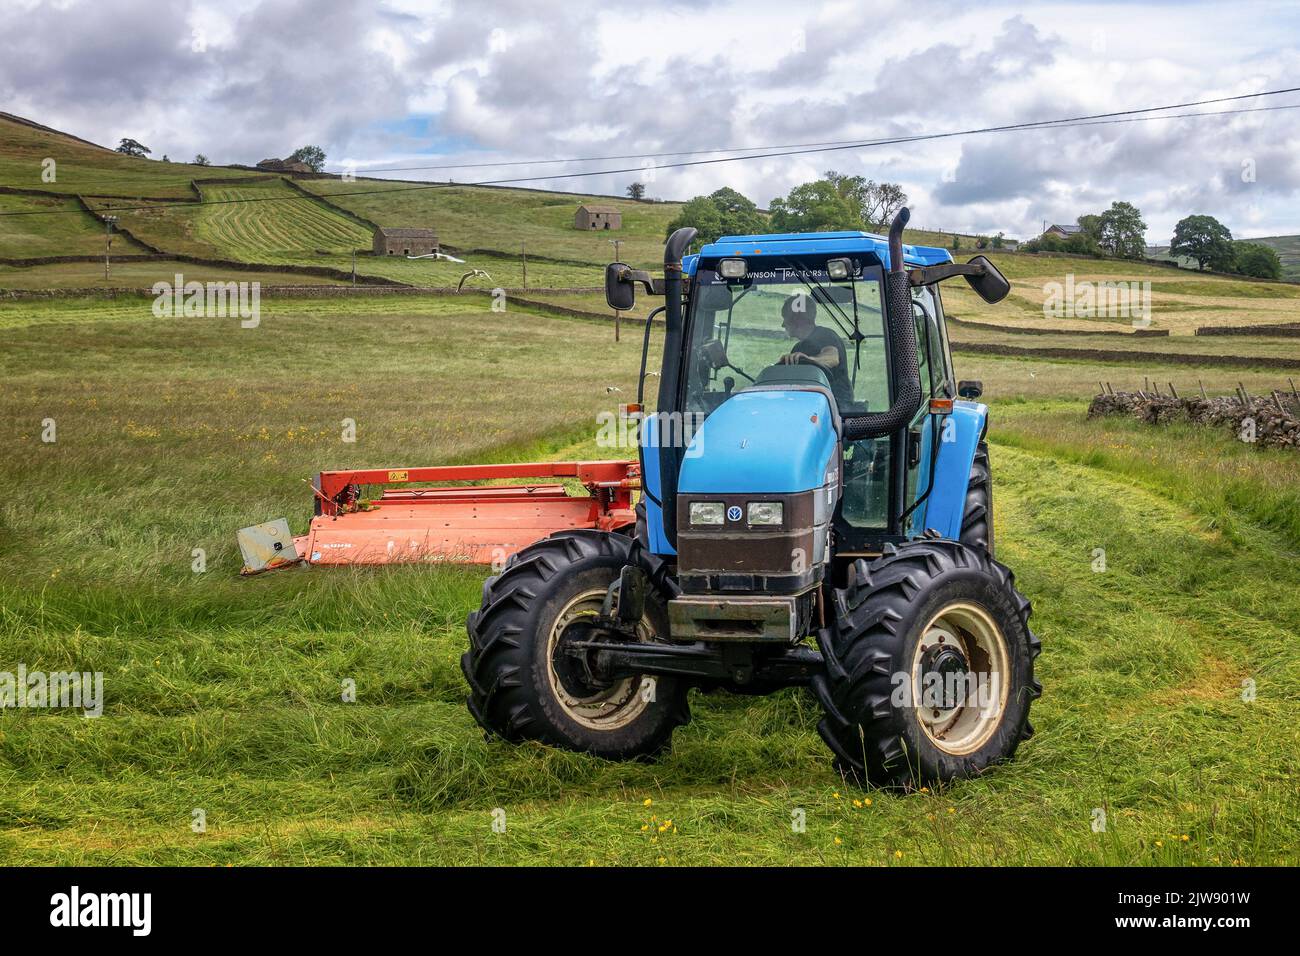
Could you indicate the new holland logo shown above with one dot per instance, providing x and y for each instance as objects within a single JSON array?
[{"x": 733, "y": 513}]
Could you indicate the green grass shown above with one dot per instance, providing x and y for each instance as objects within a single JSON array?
[
  {"x": 243, "y": 225},
  {"x": 86, "y": 169},
  {"x": 72, "y": 232},
  {"x": 1256, "y": 347},
  {"x": 223, "y": 693},
  {"x": 140, "y": 275},
  {"x": 503, "y": 219}
]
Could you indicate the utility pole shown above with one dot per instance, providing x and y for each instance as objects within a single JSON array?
[
  {"x": 618, "y": 316},
  {"x": 108, "y": 241},
  {"x": 354, "y": 267},
  {"x": 523, "y": 257}
]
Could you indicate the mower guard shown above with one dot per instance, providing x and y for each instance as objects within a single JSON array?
[{"x": 461, "y": 523}]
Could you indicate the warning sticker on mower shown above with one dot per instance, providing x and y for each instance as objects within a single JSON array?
[{"x": 398, "y": 476}]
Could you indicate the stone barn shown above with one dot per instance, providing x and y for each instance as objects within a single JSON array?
[
  {"x": 405, "y": 241},
  {"x": 283, "y": 166},
  {"x": 597, "y": 217}
]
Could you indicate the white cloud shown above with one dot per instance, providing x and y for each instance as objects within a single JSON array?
[{"x": 406, "y": 82}]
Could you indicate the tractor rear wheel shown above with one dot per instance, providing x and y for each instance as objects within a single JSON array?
[
  {"x": 929, "y": 669},
  {"x": 527, "y": 681},
  {"x": 977, "y": 519}
]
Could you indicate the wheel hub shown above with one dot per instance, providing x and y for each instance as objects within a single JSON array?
[
  {"x": 586, "y": 697},
  {"x": 960, "y": 676},
  {"x": 944, "y": 676}
]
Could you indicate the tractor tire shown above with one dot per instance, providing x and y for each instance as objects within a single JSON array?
[
  {"x": 926, "y": 608},
  {"x": 522, "y": 685},
  {"x": 977, "y": 519}
]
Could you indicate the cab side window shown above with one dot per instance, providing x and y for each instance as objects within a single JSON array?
[{"x": 929, "y": 341}]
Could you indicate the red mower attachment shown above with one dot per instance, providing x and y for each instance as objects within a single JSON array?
[{"x": 461, "y": 523}]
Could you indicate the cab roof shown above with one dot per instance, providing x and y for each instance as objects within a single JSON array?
[{"x": 815, "y": 243}]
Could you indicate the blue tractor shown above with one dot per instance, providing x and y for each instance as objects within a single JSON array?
[{"x": 817, "y": 512}]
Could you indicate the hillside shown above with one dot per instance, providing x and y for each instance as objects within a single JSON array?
[
  {"x": 1288, "y": 249},
  {"x": 222, "y": 214}
]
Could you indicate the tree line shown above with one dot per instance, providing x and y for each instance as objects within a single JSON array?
[
  {"x": 1120, "y": 232},
  {"x": 838, "y": 202},
  {"x": 312, "y": 156}
]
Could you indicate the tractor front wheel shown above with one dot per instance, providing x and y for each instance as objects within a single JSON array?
[
  {"x": 929, "y": 666},
  {"x": 528, "y": 677}
]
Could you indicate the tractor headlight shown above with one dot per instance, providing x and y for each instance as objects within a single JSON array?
[
  {"x": 838, "y": 269},
  {"x": 707, "y": 512},
  {"x": 766, "y": 512},
  {"x": 732, "y": 268}
]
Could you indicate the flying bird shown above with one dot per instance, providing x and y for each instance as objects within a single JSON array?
[
  {"x": 472, "y": 274},
  {"x": 439, "y": 255}
]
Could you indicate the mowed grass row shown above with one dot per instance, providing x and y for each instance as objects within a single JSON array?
[
  {"x": 269, "y": 222},
  {"x": 224, "y": 694}
]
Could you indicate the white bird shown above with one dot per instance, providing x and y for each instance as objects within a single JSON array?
[
  {"x": 611, "y": 389},
  {"x": 439, "y": 255},
  {"x": 472, "y": 274}
]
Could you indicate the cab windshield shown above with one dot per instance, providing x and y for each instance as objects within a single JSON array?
[{"x": 787, "y": 318}]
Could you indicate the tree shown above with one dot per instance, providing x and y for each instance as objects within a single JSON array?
[
  {"x": 1257, "y": 259},
  {"x": 1204, "y": 239},
  {"x": 166, "y": 158},
  {"x": 131, "y": 148},
  {"x": 1082, "y": 244},
  {"x": 740, "y": 217},
  {"x": 636, "y": 191},
  {"x": 723, "y": 212},
  {"x": 874, "y": 204},
  {"x": 814, "y": 207},
  {"x": 201, "y": 160},
  {"x": 999, "y": 240},
  {"x": 313, "y": 156},
  {"x": 702, "y": 213},
  {"x": 1090, "y": 225},
  {"x": 1123, "y": 233}
]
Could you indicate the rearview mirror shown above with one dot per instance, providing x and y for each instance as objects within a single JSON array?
[
  {"x": 991, "y": 286},
  {"x": 620, "y": 293}
]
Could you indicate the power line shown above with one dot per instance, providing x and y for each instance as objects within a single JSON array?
[
  {"x": 804, "y": 147},
  {"x": 1099, "y": 119},
  {"x": 842, "y": 142}
]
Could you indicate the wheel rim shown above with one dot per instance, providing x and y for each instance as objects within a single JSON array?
[
  {"x": 960, "y": 678},
  {"x": 602, "y": 706}
]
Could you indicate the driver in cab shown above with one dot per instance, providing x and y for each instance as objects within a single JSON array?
[{"x": 815, "y": 345}]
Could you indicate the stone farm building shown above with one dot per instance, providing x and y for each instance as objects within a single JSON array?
[
  {"x": 597, "y": 217},
  {"x": 1062, "y": 232},
  {"x": 404, "y": 241},
  {"x": 283, "y": 166}
]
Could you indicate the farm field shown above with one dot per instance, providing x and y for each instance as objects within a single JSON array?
[
  {"x": 501, "y": 219},
  {"x": 1180, "y": 301},
  {"x": 263, "y": 221},
  {"x": 88, "y": 169},
  {"x": 136, "y": 275},
  {"x": 1208, "y": 346},
  {"x": 223, "y": 694},
  {"x": 72, "y": 232}
]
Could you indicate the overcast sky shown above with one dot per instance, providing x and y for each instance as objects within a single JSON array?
[{"x": 408, "y": 83}]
